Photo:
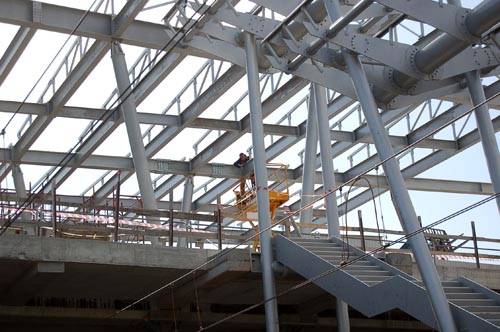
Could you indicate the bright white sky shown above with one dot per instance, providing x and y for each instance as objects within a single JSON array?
[{"x": 63, "y": 133}]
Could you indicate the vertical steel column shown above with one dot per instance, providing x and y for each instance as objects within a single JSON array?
[
  {"x": 400, "y": 195},
  {"x": 361, "y": 230},
  {"x": 187, "y": 202},
  {"x": 133, "y": 129},
  {"x": 54, "y": 209},
  {"x": 171, "y": 218},
  {"x": 117, "y": 208},
  {"x": 332, "y": 213},
  {"x": 474, "y": 241},
  {"x": 309, "y": 167},
  {"x": 259, "y": 163},
  {"x": 486, "y": 130}
]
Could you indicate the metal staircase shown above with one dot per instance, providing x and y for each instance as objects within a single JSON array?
[{"x": 372, "y": 286}]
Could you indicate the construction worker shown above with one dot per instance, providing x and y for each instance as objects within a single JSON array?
[{"x": 242, "y": 160}]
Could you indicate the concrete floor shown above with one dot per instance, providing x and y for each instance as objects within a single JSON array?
[{"x": 56, "y": 283}]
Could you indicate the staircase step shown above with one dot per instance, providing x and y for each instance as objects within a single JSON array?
[
  {"x": 334, "y": 253},
  {"x": 460, "y": 289},
  {"x": 373, "y": 278},
  {"x": 465, "y": 296},
  {"x": 305, "y": 240},
  {"x": 314, "y": 248},
  {"x": 357, "y": 273},
  {"x": 337, "y": 261},
  {"x": 474, "y": 302},
  {"x": 362, "y": 268},
  {"x": 477, "y": 309},
  {"x": 446, "y": 283},
  {"x": 488, "y": 315}
]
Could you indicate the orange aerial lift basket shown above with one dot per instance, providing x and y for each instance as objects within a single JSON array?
[{"x": 246, "y": 195}]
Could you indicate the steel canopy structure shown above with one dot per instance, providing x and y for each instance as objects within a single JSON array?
[{"x": 386, "y": 87}]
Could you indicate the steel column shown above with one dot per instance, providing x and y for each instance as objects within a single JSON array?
[
  {"x": 400, "y": 195},
  {"x": 19, "y": 184},
  {"x": 332, "y": 213},
  {"x": 309, "y": 167},
  {"x": 133, "y": 129},
  {"x": 187, "y": 202},
  {"x": 20, "y": 187},
  {"x": 486, "y": 130},
  {"x": 259, "y": 161}
]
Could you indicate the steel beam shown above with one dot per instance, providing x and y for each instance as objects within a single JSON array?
[
  {"x": 259, "y": 161},
  {"x": 486, "y": 130},
  {"x": 14, "y": 51},
  {"x": 401, "y": 197},
  {"x": 332, "y": 213},
  {"x": 309, "y": 167},
  {"x": 133, "y": 130},
  {"x": 181, "y": 169},
  {"x": 187, "y": 202},
  {"x": 19, "y": 184}
]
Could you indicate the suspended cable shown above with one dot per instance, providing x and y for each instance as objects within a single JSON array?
[
  {"x": 310, "y": 205},
  {"x": 354, "y": 260}
]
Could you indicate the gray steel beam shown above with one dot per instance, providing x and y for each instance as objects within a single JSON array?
[
  {"x": 239, "y": 127},
  {"x": 486, "y": 130},
  {"x": 14, "y": 51},
  {"x": 259, "y": 164},
  {"x": 309, "y": 167},
  {"x": 133, "y": 130},
  {"x": 187, "y": 203},
  {"x": 98, "y": 26},
  {"x": 19, "y": 184},
  {"x": 332, "y": 213},
  {"x": 180, "y": 169},
  {"x": 401, "y": 198}
]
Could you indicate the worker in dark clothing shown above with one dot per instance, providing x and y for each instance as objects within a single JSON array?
[{"x": 242, "y": 160}]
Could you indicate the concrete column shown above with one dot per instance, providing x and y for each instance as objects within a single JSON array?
[
  {"x": 486, "y": 130},
  {"x": 400, "y": 195},
  {"x": 259, "y": 162},
  {"x": 186, "y": 206},
  {"x": 133, "y": 130},
  {"x": 309, "y": 167},
  {"x": 332, "y": 213}
]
